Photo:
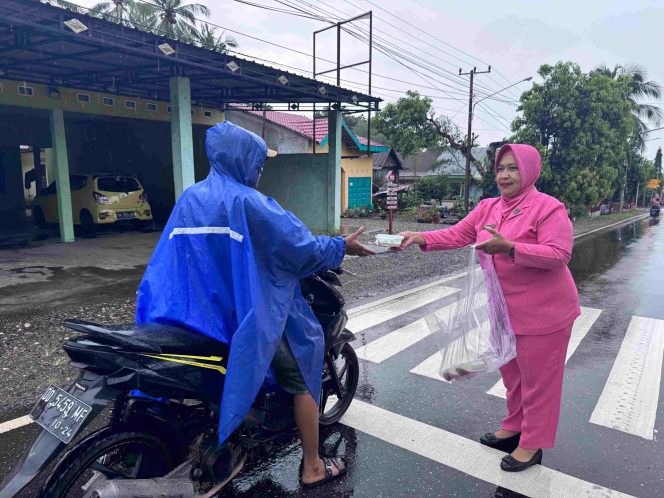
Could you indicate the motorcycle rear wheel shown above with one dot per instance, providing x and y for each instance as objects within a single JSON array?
[
  {"x": 116, "y": 453},
  {"x": 332, "y": 407}
]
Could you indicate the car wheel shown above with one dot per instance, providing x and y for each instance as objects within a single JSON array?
[
  {"x": 87, "y": 223},
  {"x": 39, "y": 218}
]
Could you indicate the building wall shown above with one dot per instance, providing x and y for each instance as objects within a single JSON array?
[
  {"x": 68, "y": 101},
  {"x": 352, "y": 167},
  {"x": 277, "y": 137},
  {"x": 286, "y": 141},
  {"x": 306, "y": 198}
]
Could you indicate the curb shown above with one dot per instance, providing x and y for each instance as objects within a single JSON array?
[{"x": 622, "y": 222}]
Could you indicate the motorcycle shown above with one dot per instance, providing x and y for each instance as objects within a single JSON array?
[
  {"x": 654, "y": 211},
  {"x": 159, "y": 387}
]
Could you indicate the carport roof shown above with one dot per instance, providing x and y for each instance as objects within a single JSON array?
[{"x": 37, "y": 46}]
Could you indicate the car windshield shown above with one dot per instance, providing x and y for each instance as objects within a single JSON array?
[{"x": 118, "y": 184}]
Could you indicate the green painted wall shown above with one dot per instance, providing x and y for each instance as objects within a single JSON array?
[{"x": 299, "y": 183}]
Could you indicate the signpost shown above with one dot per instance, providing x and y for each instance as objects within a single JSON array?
[
  {"x": 391, "y": 199},
  {"x": 654, "y": 183}
]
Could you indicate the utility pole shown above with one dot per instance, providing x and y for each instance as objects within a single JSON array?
[{"x": 469, "y": 137}]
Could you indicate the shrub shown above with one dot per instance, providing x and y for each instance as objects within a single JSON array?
[{"x": 433, "y": 187}]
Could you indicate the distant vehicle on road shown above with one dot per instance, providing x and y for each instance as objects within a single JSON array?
[
  {"x": 654, "y": 211},
  {"x": 96, "y": 199}
]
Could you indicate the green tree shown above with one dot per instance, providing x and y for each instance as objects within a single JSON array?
[
  {"x": 208, "y": 38},
  {"x": 433, "y": 187},
  {"x": 176, "y": 19},
  {"x": 360, "y": 126},
  {"x": 638, "y": 88},
  {"x": 410, "y": 125},
  {"x": 658, "y": 164},
  {"x": 115, "y": 10},
  {"x": 582, "y": 124}
]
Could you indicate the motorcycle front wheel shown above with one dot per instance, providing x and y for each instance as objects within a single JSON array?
[
  {"x": 333, "y": 406},
  {"x": 113, "y": 452}
]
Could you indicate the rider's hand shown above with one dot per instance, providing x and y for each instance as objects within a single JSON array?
[
  {"x": 354, "y": 247},
  {"x": 410, "y": 238},
  {"x": 496, "y": 244}
]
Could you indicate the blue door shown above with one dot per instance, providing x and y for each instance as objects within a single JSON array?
[{"x": 359, "y": 192}]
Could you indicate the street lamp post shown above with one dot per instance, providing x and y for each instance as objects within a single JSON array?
[{"x": 469, "y": 138}]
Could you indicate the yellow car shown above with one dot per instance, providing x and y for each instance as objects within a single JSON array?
[{"x": 96, "y": 199}]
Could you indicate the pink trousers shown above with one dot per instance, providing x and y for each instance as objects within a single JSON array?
[{"x": 534, "y": 383}]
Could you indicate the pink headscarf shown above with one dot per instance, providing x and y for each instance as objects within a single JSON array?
[{"x": 529, "y": 162}]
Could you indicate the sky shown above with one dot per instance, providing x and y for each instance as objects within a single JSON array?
[{"x": 515, "y": 37}]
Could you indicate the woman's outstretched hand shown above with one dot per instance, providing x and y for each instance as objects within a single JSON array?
[
  {"x": 496, "y": 244},
  {"x": 410, "y": 238}
]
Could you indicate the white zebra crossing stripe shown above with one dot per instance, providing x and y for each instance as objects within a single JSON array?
[
  {"x": 363, "y": 307},
  {"x": 390, "y": 344},
  {"x": 581, "y": 327},
  {"x": 629, "y": 400},
  {"x": 466, "y": 456},
  {"x": 369, "y": 316},
  {"x": 10, "y": 425},
  {"x": 431, "y": 366}
]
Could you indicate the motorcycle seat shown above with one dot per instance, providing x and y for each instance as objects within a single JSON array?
[{"x": 151, "y": 338}]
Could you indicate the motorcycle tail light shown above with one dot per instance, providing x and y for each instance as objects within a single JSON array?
[{"x": 101, "y": 198}]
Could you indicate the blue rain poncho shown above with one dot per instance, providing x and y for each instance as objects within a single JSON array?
[{"x": 228, "y": 265}]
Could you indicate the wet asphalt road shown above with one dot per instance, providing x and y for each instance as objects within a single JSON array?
[{"x": 620, "y": 272}]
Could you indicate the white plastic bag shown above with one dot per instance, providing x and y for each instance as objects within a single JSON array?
[{"x": 474, "y": 334}]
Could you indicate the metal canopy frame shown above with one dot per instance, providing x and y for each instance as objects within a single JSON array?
[
  {"x": 37, "y": 46},
  {"x": 339, "y": 26}
]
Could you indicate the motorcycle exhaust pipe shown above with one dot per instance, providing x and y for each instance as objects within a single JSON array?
[{"x": 162, "y": 488}]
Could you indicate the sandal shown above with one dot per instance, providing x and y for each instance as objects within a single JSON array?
[{"x": 337, "y": 462}]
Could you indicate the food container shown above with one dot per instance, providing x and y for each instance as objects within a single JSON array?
[{"x": 385, "y": 240}]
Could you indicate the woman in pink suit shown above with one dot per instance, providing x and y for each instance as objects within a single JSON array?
[{"x": 530, "y": 237}]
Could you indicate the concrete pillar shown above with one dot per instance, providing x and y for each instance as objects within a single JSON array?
[
  {"x": 181, "y": 134},
  {"x": 334, "y": 172},
  {"x": 61, "y": 161}
]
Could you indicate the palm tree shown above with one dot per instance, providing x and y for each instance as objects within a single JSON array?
[
  {"x": 176, "y": 20},
  {"x": 142, "y": 16},
  {"x": 115, "y": 10},
  {"x": 208, "y": 38},
  {"x": 639, "y": 88}
]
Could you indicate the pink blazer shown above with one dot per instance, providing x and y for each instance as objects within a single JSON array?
[{"x": 539, "y": 289}]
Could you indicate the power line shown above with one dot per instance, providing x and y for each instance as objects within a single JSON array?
[
  {"x": 462, "y": 61},
  {"x": 435, "y": 38},
  {"x": 388, "y": 46}
]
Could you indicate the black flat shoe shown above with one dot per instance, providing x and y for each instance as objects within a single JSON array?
[
  {"x": 506, "y": 444},
  {"x": 511, "y": 464}
]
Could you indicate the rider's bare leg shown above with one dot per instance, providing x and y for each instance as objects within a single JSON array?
[{"x": 306, "y": 418}]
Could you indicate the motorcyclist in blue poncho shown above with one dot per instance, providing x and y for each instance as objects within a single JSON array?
[{"x": 228, "y": 265}]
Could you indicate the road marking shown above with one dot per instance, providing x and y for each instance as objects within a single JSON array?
[
  {"x": 396, "y": 341},
  {"x": 390, "y": 344},
  {"x": 465, "y": 455},
  {"x": 431, "y": 366},
  {"x": 581, "y": 327},
  {"x": 15, "y": 424},
  {"x": 629, "y": 400},
  {"x": 398, "y": 295},
  {"x": 392, "y": 308}
]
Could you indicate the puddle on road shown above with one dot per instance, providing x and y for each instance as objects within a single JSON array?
[{"x": 25, "y": 275}]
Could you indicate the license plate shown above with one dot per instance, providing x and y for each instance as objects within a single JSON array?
[
  {"x": 126, "y": 215},
  {"x": 60, "y": 413}
]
